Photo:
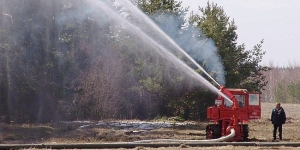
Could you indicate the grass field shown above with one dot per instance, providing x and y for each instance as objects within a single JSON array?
[{"x": 260, "y": 131}]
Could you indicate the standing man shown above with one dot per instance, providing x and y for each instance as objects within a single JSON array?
[{"x": 278, "y": 118}]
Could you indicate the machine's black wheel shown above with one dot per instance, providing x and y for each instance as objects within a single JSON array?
[
  {"x": 245, "y": 132},
  {"x": 213, "y": 131}
]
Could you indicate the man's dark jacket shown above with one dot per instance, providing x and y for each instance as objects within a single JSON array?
[{"x": 278, "y": 116}]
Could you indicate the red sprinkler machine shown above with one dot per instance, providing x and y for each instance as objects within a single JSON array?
[{"x": 232, "y": 111}]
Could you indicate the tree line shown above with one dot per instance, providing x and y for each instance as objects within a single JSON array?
[
  {"x": 63, "y": 60},
  {"x": 283, "y": 84}
]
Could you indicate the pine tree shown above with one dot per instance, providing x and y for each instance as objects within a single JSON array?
[{"x": 241, "y": 66}]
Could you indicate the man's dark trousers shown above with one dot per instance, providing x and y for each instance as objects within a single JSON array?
[{"x": 279, "y": 127}]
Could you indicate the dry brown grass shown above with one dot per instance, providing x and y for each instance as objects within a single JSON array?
[{"x": 260, "y": 131}]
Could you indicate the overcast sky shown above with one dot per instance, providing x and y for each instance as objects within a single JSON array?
[{"x": 275, "y": 21}]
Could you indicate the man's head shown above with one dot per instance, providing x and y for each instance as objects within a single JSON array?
[{"x": 277, "y": 105}]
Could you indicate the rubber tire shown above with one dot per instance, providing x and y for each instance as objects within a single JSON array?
[{"x": 213, "y": 131}]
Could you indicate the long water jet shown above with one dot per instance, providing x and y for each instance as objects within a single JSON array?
[
  {"x": 160, "y": 49},
  {"x": 51, "y": 46},
  {"x": 146, "y": 19}
]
